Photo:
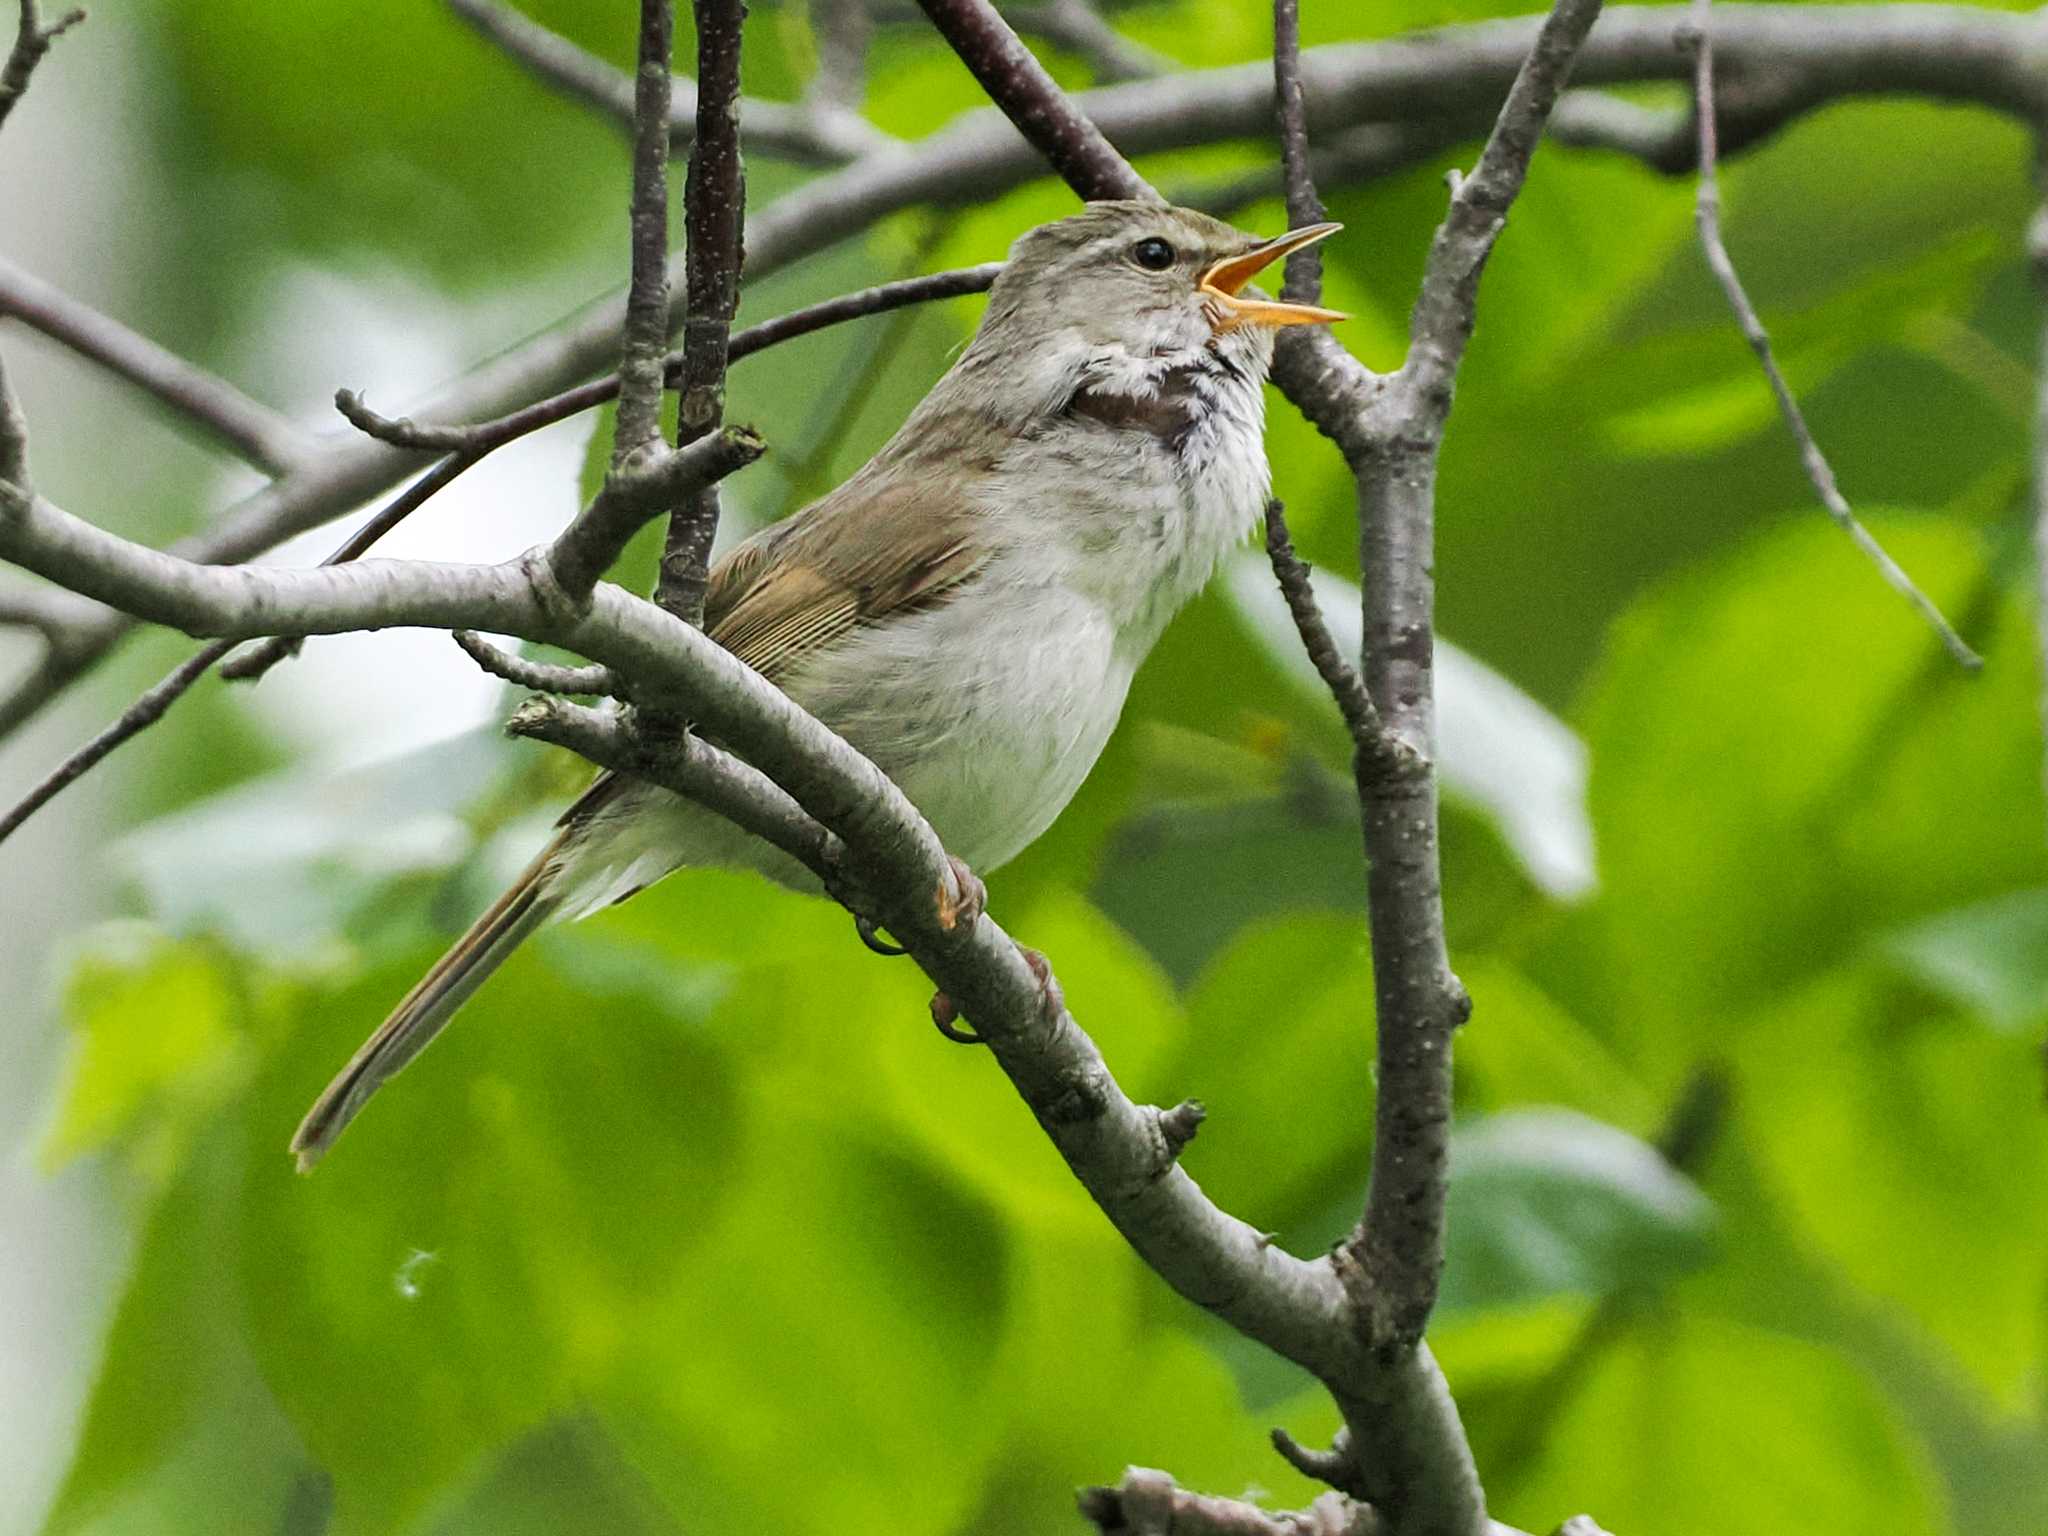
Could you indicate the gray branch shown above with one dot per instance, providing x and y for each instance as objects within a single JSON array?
[
  {"x": 641, "y": 489},
  {"x": 814, "y": 134},
  {"x": 31, "y": 41},
  {"x": 538, "y": 675},
  {"x": 643, "y": 342},
  {"x": 252, "y": 431}
]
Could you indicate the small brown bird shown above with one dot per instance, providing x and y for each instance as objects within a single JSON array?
[{"x": 969, "y": 608}]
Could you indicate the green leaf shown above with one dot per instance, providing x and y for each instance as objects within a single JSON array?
[
  {"x": 161, "y": 1044},
  {"x": 1689, "y": 1425},
  {"x": 180, "y": 1432},
  {"x": 1279, "y": 1049},
  {"x": 852, "y": 1296},
  {"x": 566, "y": 1479},
  {"x": 1909, "y": 1147},
  {"x": 1991, "y": 957},
  {"x": 290, "y": 865},
  {"x": 1547, "y": 1202},
  {"x": 1743, "y": 728},
  {"x": 484, "y": 1245}
]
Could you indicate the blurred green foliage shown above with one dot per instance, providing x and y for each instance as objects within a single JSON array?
[{"x": 694, "y": 1225}]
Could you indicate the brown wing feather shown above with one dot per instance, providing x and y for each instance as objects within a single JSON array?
[{"x": 864, "y": 554}]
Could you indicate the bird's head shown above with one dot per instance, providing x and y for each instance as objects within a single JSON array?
[{"x": 1145, "y": 278}]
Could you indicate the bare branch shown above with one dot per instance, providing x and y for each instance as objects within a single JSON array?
[
  {"x": 813, "y": 135},
  {"x": 13, "y": 436},
  {"x": 1078, "y": 27},
  {"x": 1150, "y": 1503},
  {"x": 714, "y": 215},
  {"x": 636, "y": 492},
  {"x": 1361, "y": 717},
  {"x": 840, "y": 30},
  {"x": 31, "y": 41},
  {"x": 1444, "y": 312},
  {"x": 1020, "y": 86},
  {"x": 694, "y": 769},
  {"x": 400, "y": 431},
  {"x": 1304, "y": 284},
  {"x": 644, "y": 341},
  {"x": 1392, "y": 442},
  {"x": 134, "y": 720},
  {"x": 1810, "y": 456},
  {"x": 253, "y": 431},
  {"x": 537, "y": 675}
]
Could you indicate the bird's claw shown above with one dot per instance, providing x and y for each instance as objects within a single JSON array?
[
  {"x": 871, "y": 936},
  {"x": 946, "y": 1013},
  {"x": 968, "y": 906}
]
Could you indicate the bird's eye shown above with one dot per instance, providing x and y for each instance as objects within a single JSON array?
[{"x": 1154, "y": 255}]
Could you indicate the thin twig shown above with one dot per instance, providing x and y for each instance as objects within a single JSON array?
[
  {"x": 840, "y": 30},
  {"x": 13, "y": 436},
  {"x": 714, "y": 214},
  {"x": 814, "y": 134},
  {"x": 400, "y": 431},
  {"x": 1078, "y": 27},
  {"x": 252, "y": 430},
  {"x": 591, "y": 681},
  {"x": 31, "y": 41},
  {"x": 636, "y": 492},
  {"x": 482, "y": 437},
  {"x": 136, "y": 718},
  {"x": 1822, "y": 477},
  {"x": 1361, "y": 719},
  {"x": 1018, "y": 83},
  {"x": 1304, "y": 283},
  {"x": 692, "y": 768},
  {"x": 644, "y": 338}
]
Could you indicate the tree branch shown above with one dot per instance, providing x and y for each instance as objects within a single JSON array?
[
  {"x": 1018, "y": 84},
  {"x": 636, "y": 492},
  {"x": 31, "y": 41},
  {"x": 714, "y": 212},
  {"x": 812, "y": 135},
  {"x": 252, "y": 431},
  {"x": 538, "y": 675},
  {"x": 644, "y": 341},
  {"x": 1077, "y": 27},
  {"x": 1810, "y": 456}
]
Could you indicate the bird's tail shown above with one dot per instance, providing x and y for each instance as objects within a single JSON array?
[{"x": 426, "y": 1009}]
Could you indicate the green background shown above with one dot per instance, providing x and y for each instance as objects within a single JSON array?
[{"x": 694, "y": 1224}]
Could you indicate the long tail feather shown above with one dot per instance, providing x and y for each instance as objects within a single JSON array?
[{"x": 427, "y": 1008}]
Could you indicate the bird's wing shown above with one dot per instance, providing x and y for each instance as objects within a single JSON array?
[{"x": 861, "y": 557}]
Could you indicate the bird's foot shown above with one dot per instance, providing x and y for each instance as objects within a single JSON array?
[
  {"x": 972, "y": 900},
  {"x": 946, "y": 1013},
  {"x": 871, "y": 936}
]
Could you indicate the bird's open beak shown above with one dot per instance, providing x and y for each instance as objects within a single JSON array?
[{"x": 1223, "y": 284}]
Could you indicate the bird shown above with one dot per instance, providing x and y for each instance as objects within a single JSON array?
[{"x": 968, "y": 608}]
